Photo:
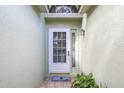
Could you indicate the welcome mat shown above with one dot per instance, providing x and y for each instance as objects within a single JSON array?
[{"x": 60, "y": 78}]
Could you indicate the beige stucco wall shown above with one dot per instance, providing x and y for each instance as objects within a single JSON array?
[
  {"x": 21, "y": 47},
  {"x": 104, "y": 45}
]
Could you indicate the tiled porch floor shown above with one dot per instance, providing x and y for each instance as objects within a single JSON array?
[
  {"x": 56, "y": 84},
  {"x": 60, "y": 84}
]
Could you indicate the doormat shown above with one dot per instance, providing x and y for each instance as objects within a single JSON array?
[{"x": 60, "y": 78}]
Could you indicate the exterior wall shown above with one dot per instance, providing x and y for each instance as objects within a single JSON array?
[
  {"x": 68, "y": 23},
  {"x": 21, "y": 47},
  {"x": 104, "y": 45}
]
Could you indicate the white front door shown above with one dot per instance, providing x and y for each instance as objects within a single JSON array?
[{"x": 59, "y": 50}]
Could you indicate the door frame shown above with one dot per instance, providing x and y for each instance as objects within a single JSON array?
[{"x": 68, "y": 48}]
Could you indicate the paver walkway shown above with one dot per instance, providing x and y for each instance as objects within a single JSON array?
[{"x": 56, "y": 84}]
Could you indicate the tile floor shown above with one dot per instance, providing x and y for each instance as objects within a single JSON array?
[
  {"x": 56, "y": 84},
  {"x": 60, "y": 84}
]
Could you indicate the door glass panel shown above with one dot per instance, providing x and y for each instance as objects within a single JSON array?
[
  {"x": 73, "y": 49},
  {"x": 64, "y": 35},
  {"x": 59, "y": 47},
  {"x": 63, "y": 58},
  {"x": 59, "y": 51},
  {"x": 59, "y": 43},
  {"x": 59, "y": 35},
  {"x": 55, "y": 43},
  {"x": 54, "y": 51},
  {"x": 63, "y": 43},
  {"x": 64, "y": 52},
  {"x": 55, "y": 59},
  {"x": 59, "y": 59},
  {"x": 55, "y": 37}
]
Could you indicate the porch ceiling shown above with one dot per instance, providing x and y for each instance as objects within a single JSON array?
[
  {"x": 61, "y": 15},
  {"x": 63, "y": 20},
  {"x": 55, "y": 17}
]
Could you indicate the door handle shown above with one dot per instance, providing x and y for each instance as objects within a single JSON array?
[{"x": 68, "y": 53}]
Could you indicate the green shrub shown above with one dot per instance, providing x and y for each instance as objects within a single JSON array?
[{"x": 84, "y": 81}]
